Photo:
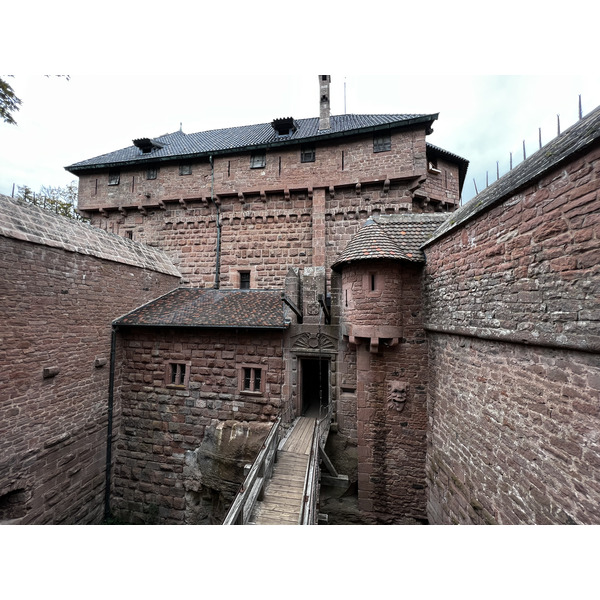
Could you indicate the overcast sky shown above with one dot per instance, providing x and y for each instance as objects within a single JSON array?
[
  {"x": 136, "y": 71},
  {"x": 481, "y": 118}
]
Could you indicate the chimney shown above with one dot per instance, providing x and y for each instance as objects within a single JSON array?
[{"x": 324, "y": 81}]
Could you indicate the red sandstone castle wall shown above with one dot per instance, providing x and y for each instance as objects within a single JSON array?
[
  {"x": 512, "y": 307},
  {"x": 443, "y": 182},
  {"x": 264, "y": 237},
  {"x": 57, "y": 308},
  {"x": 391, "y": 443},
  {"x": 164, "y": 427},
  {"x": 297, "y": 215},
  {"x": 340, "y": 163}
]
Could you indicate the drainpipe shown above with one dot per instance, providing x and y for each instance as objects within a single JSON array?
[
  {"x": 111, "y": 386},
  {"x": 218, "y": 249}
]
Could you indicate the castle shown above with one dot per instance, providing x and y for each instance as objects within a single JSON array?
[{"x": 234, "y": 276}]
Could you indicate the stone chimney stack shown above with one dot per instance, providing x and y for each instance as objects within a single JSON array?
[{"x": 324, "y": 81}]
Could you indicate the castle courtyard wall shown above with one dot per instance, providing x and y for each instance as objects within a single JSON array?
[
  {"x": 513, "y": 320},
  {"x": 57, "y": 306}
]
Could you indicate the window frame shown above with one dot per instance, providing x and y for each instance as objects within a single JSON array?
[
  {"x": 382, "y": 142},
  {"x": 258, "y": 160},
  {"x": 243, "y": 276},
  {"x": 177, "y": 374},
  {"x": 308, "y": 154},
  {"x": 114, "y": 176},
  {"x": 152, "y": 173},
  {"x": 373, "y": 283},
  {"x": 185, "y": 169},
  {"x": 248, "y": 379}
]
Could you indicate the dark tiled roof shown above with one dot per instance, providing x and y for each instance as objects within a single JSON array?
[
  {"x": 23, "y": 221},
  {"x": 578, "y": 138},
  {"x": 180, "y": 145},
  {"x": 195, "y": 307},
  {"x": 396, "y": 237}
]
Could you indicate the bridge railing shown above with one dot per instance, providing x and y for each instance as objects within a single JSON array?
[
  {"x": 309, "y": 515},
  {"x": 310, "y": 494},
  {"x": 253, "y": 487}
]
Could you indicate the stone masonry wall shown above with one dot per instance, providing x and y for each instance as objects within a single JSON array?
[
  {"x": 264, "y": 241},
  {"x": 272, "y": 219},
  {"x": 175, "y": 463},
  {"x": 515, "y": 436},
  {"x": 512, "y": 308},
  {"x": 265, "y": 237},
  {"x": 57, "y": 307},
  {"x": 338, "y": 163},
  {"x": 443, "y": 183},
  {"x": 391, "y": 436}
]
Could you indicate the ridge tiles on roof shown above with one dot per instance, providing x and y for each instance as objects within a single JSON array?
[{"x": 179, "y": 144}]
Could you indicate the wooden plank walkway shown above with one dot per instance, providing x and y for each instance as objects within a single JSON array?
[{"x": 282, "y": 500}]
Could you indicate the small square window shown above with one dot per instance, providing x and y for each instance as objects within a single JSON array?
[
  {"x": 244, "y": 280},
  {"x": 382, "y": 143},
  {"x": 114, "y": 177},
  {"x": 185, "y": 169},
  {"x": 178, "y": 374},
  {"x": 251, "y": 380},
  {"x": 432, "y": 166},
  {"x": 307, "y": 154},
  {"x": 151, "y": 173},
  {"x": 258, "y": 161}
]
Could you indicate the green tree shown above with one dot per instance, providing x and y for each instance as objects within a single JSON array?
[
  {"x": 60, "y": 200},
  {"x": 9, "y": 103}
]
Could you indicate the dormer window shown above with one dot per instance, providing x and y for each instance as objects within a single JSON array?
[
  {"x": 146, "y": 145},
  {"x": 285, "y": 126}
]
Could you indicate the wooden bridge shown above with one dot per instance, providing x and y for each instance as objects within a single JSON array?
[{"x": 282, "y": 486}]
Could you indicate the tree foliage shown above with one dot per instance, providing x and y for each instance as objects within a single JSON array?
[
  {"x": 9, "y": 103},
  {"x": 60, "y": 200}
]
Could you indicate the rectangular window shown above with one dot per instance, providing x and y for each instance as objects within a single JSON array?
[
  {"x": 307, "y": 154},
  {"x": 151, "y": 173},
  {"x": 178, "y": 374},
  {"x": 432, "y": 167},
  {"x": 185, "y": 169},
  {"x": 382, "y": 143},
  {"x": 114, "y": 176},
  {"x": 244, "y": 280},
  {"x": 258, "y": 161},
  {"x": 373, "y": 283},
  {"x": 251, "y": 379}
]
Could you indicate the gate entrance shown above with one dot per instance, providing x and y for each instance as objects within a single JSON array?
[{"x": 314, "y": 384}]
